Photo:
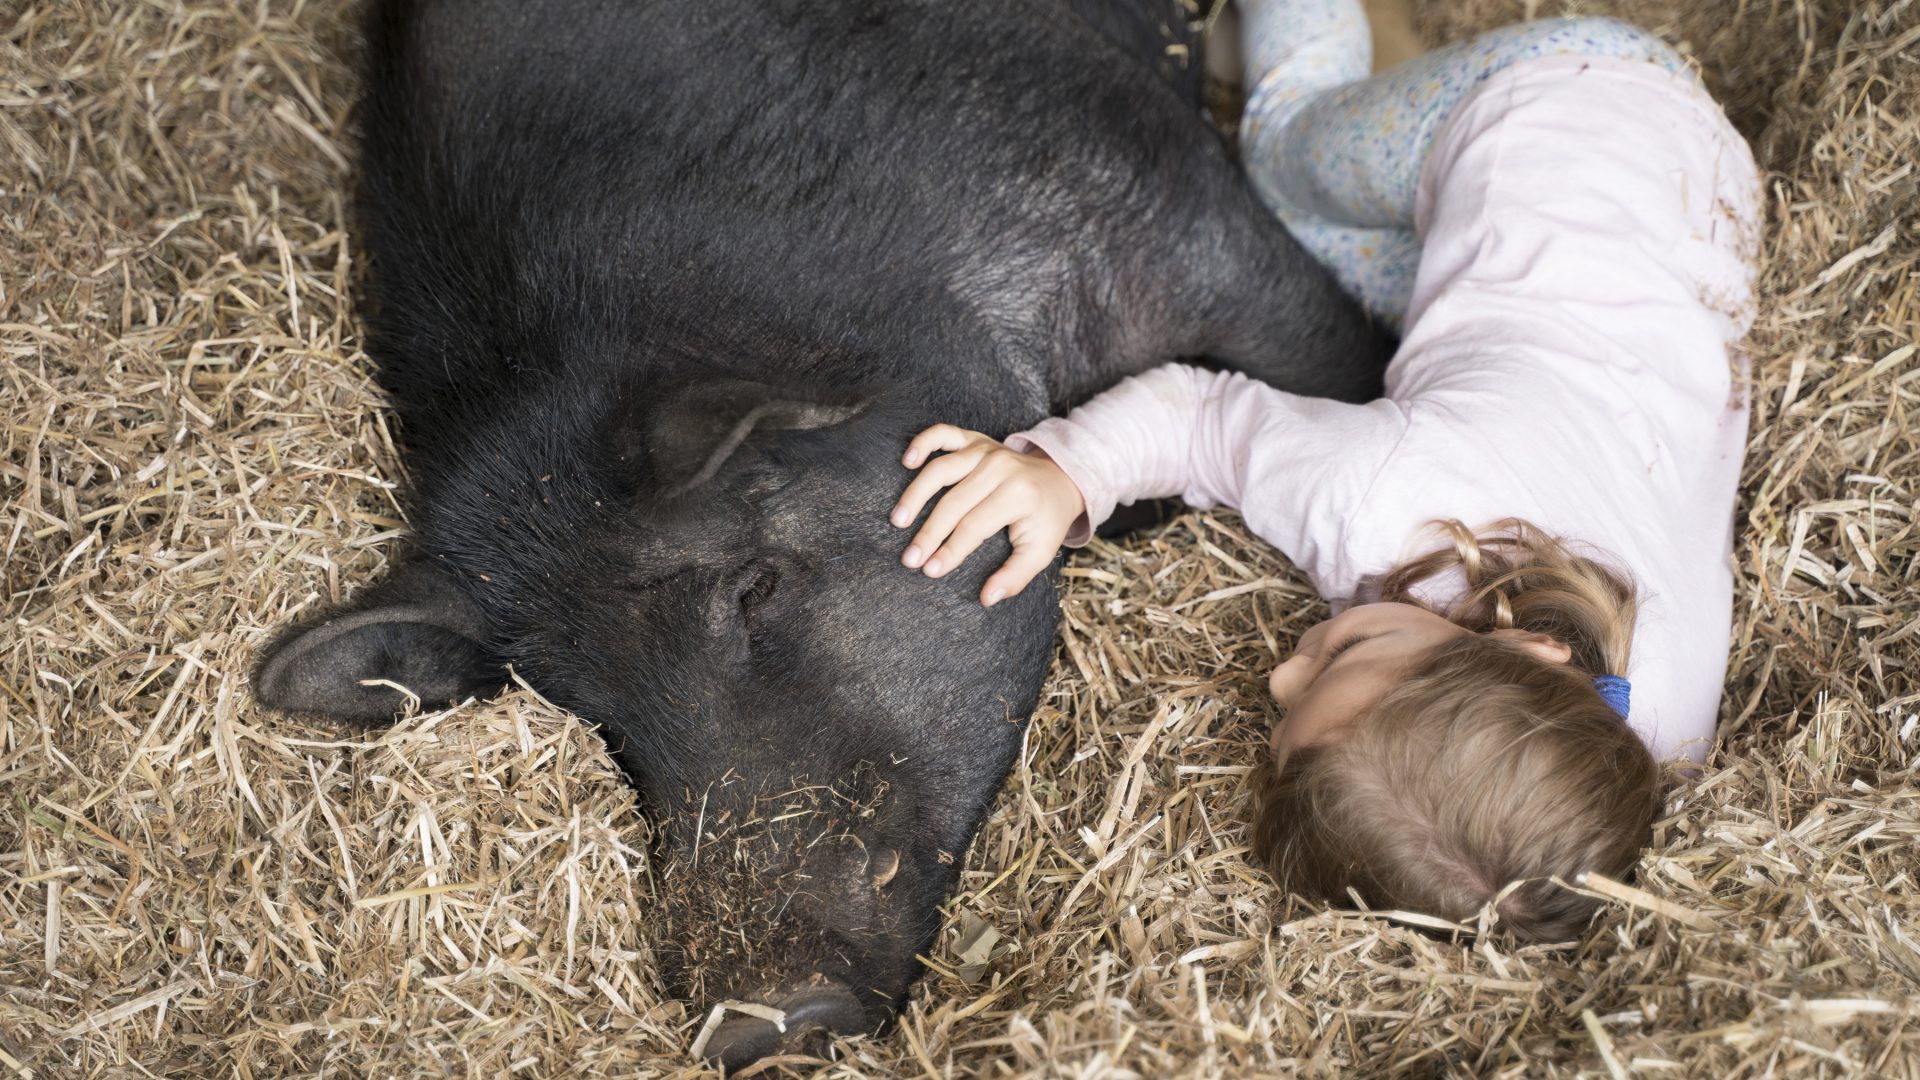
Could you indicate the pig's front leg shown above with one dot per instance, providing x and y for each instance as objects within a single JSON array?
[
  {"x": 1259, "y": 303},
  {"x": 1217, "y": 279}
]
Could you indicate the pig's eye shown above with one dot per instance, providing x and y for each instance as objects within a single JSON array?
[
  {"x": 756, "y": 585},
  {"x": 733, "y": 605}
]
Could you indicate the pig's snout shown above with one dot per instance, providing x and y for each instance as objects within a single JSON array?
[
  {"x": 813, "y": 1015},
  {"x": 811, "y": 900}
]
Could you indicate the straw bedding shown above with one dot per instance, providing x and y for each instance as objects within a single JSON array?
[{"x": 193, "y": 453}]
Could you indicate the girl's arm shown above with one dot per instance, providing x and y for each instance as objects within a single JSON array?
[
  {"x": 1176, "y": 430},
  {"x": 1207, "y": 437}
]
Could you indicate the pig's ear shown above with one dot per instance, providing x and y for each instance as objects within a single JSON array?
[
  {"x": 688, "y": 437},
  {"x": 416, "y": 629}
]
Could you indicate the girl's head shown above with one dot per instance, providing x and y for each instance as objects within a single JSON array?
[{"x": 1431, "y": 758}]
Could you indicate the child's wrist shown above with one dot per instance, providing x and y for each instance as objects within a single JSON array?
[{"x": 1071, "y": 497}]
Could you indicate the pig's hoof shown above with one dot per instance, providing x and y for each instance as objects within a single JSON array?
[{"x": 812, "y": 1015}]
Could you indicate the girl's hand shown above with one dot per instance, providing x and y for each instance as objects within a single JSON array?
[{"x": 994, "y": 488}]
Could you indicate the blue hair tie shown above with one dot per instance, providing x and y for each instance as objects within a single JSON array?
[{"x": 1615, "y": 691}]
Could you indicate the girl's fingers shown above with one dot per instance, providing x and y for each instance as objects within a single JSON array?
[
  {"x": 1030, "y": 557},
  {"x": 943, "y": 472},
  {"x": 947, "y": 514},
  {"x": 993, "y": 513},
  {"x": 936, "y": 438}
]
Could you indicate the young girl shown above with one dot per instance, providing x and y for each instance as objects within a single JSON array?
[{"x": 1582, "y": 220}]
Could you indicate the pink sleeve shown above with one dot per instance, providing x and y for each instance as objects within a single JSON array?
[
  {"x": 1296, "y": 467},
  {"x": 1153, "y": 436}
]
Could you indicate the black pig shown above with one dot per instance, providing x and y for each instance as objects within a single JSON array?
[{"x": 659, "y": 291}]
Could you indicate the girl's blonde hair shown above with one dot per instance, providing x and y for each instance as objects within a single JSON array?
[{"x": 1486, "y": 766}]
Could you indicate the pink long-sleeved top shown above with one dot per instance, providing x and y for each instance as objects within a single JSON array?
[{"x": 1589, "y": 228}]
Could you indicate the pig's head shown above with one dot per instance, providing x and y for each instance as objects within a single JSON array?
[{"x": 709, "y": 574}]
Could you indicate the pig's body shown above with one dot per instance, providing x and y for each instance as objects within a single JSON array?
[{"x": 660, "y": 290}]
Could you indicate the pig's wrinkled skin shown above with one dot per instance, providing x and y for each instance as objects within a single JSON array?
[{"x": 660, "y": 291}]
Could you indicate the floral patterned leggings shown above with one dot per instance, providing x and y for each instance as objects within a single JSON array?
[{"x": 1337, "y": 155}]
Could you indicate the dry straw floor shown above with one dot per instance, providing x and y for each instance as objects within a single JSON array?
[{"x": 193, "y": 453}]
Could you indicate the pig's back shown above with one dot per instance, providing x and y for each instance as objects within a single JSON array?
[{"x": 540, "y": 163}]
